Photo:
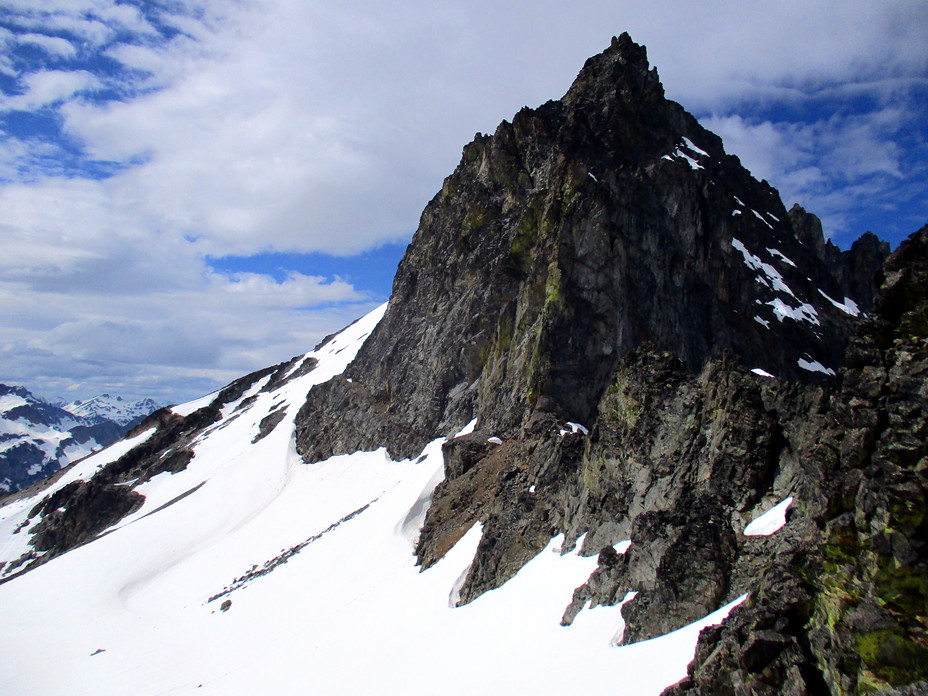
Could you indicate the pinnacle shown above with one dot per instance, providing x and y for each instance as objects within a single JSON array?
[{"x": 622, "y": 68}]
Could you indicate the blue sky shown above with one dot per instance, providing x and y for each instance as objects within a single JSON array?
[{"x": 190, "y": 190}]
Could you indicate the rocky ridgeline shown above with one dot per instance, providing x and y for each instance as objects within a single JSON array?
[{"x": 601, "y": 260}]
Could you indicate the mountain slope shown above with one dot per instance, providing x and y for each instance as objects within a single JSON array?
[{"x": 249, "y": 572}]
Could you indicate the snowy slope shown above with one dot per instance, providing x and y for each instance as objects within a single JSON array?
[
  {"x": 317, "y": 561},
  {"x": 114, "y": 408}
]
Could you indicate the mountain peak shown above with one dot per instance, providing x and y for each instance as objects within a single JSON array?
[
  {"x": 574, "y": 234},
  {"x": 624, "y": 64}
]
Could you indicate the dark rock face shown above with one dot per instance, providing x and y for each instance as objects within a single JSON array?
[
  {"x": 854, "y": 271},
  {"x": 574, "y": 234}
]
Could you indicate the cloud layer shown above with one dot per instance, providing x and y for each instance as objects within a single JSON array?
[{"x": 142, "y": 138}]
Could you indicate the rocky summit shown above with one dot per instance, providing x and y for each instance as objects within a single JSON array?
[{"x": 615, "y": 343}]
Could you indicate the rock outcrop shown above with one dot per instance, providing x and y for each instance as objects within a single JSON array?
[{"x": 843, "y": 607}]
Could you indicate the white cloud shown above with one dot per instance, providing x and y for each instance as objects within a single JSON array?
[
  {"x": 331, "y": 126},
  {"x": 824, "y": 165},
  {"x": 49, "y": 87},
  {"x": 93, "y": 21},
  {"x": 53, "y": 45},
  {"x": 94, "y": 301}
]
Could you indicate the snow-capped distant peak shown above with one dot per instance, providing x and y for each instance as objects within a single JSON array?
[{"x": 114, "y": 408}]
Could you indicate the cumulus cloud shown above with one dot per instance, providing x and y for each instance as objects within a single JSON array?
[
  {"x": 824, "y": 165},
  {"x": 159, "y": 319}
]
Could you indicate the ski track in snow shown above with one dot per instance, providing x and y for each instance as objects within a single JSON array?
[{"x": 349, "y": 613}]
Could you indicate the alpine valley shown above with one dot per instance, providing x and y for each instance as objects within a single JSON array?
[{"x": 619, "y": 393}]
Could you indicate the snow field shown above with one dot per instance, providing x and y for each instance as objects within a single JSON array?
[{"x": 349, "y": 613}]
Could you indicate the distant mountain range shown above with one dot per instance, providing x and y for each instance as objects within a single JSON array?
[
  {"x": 38, "y": 437},
  {"x": 114, "y": 408}
]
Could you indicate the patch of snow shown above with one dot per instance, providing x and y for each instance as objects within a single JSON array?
[
  {"x": 762, "y": 322},
  {"x": 623, "y": 546},
  {"x": 814, "y": 366},
  {"x": 466, "y": 430},
  {"x": 762, "y": 373},
  {"x": 619, "y": 635},
  {"x": 761, "y": 218},
  {"x": 735, "y": 212},
  {"x": 11, "y": 401},
  {"x": 781, "y": 255},
  {"x": 454, "y": 597},
  {"x": 739, "y": 201},
  {"x": 494, "y": 440},
  {"x": 230, "y": 407},
  {"x": 689, "y": 144},
  {"x": 689, "y": 160},
  {"x": 848, "y": 306},
  {"x": 754, "y": 263},
  {"x": 574, "y": 429},
  {"x": 771, "y": 521},
  {"x": 186, "y": 409},
  {"x": 590, "y": 174},
  {"x": 531, "y": 489},
  {"x": 804, "y": 312},
  {"x": 411, "y": 525}
]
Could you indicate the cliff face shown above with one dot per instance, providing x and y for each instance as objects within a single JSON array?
[{"x": 574, "y": 234}]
